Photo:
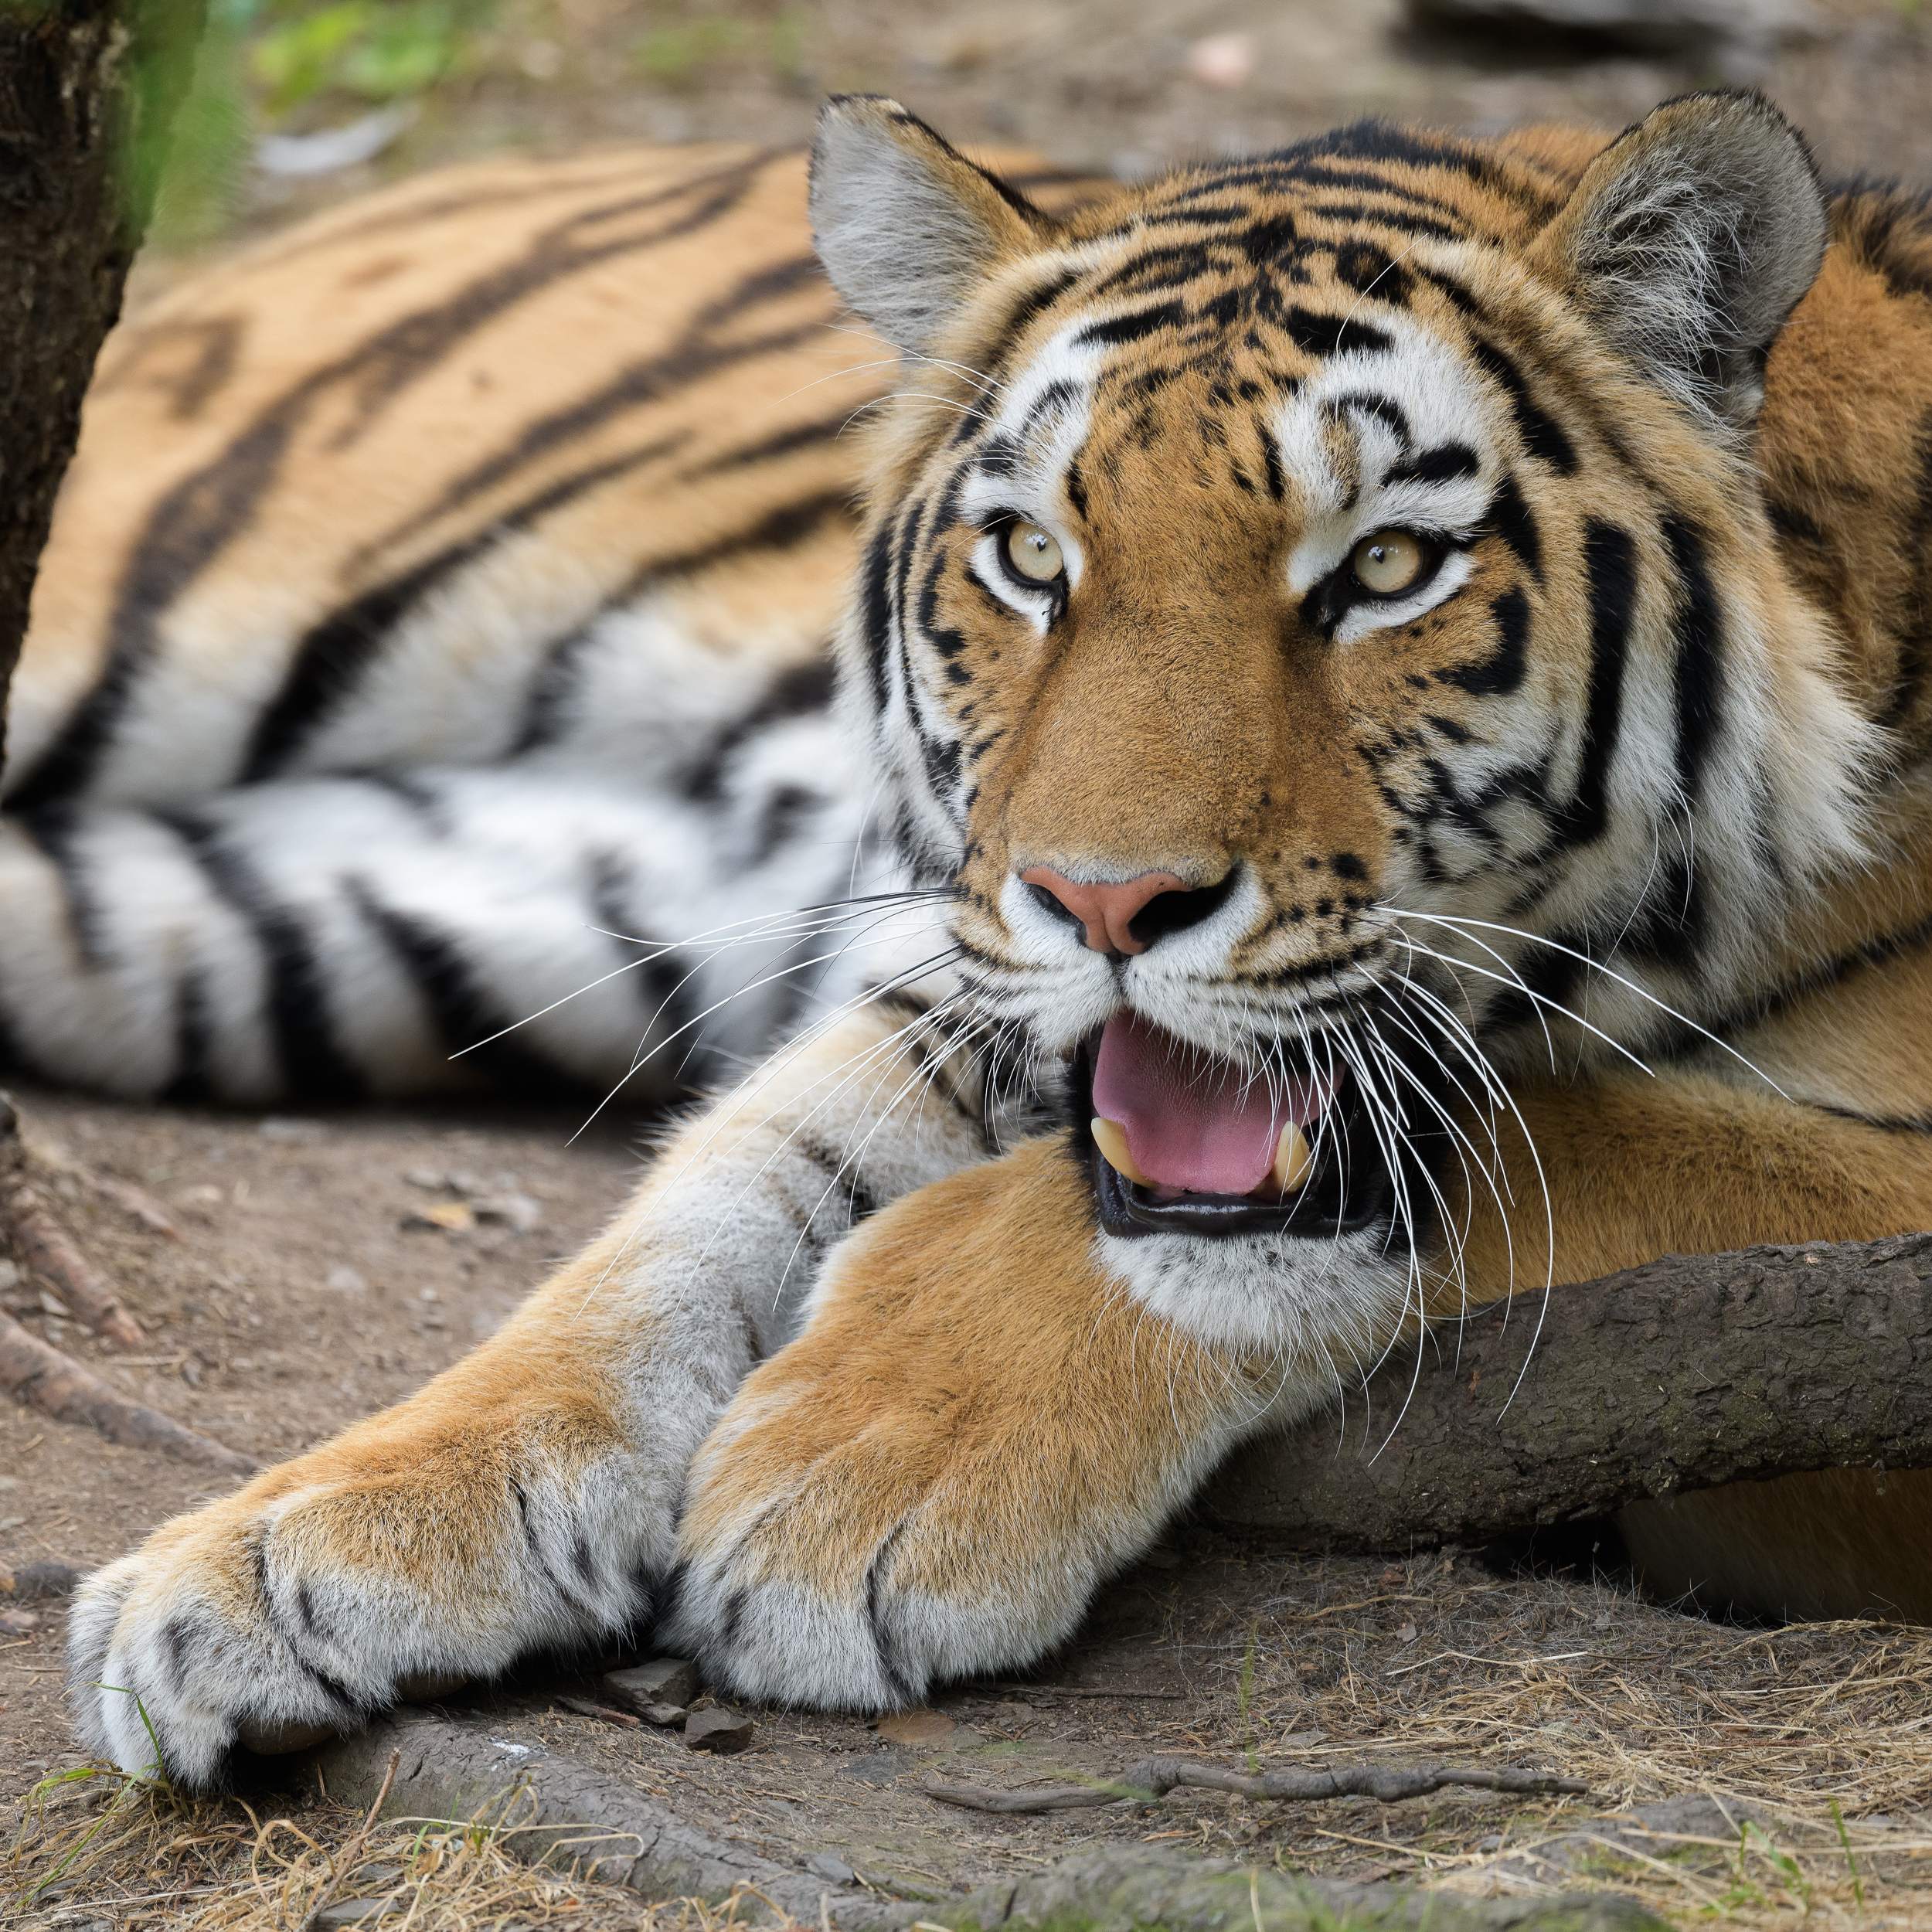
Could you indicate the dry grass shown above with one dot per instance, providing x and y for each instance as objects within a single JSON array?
[
  {"x": 1801, "y": 1755},
  {"x": 1785, "y": 1774},
  {"x": 95, "y": 1845}
]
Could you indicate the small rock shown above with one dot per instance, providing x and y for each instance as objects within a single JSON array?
[
  {"x": 9, "y": 1482},
  {"x": 203, "y": 1195},
  {"x": 664, "y": 1681},
  {"x": 47, "y": 1578},
  {"x": 18, "y": 1623},
  {"x": 346, "y": 1281},
  {"x": 430, "y": 1179},
  {"x": 518, "y": 1212},
  {"x": 449, "y": 1217},
  {"x": 276, "y": 1128},
  {"x": 924, "y": 1728},
  {"x": 833, "y": 1868},
  {"x": 1012, "y": 1714},
  {"x": 666, "y": 1717},
  {"x": 718, "y": 1730},
  {"x": 9, "y": 1276},
  {"x": 1407, "y": 1634}
]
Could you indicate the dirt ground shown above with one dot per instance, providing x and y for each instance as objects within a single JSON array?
[{"x": 1793, "y": 1767}]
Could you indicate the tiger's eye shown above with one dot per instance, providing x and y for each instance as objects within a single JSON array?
[
  {"x": 1389, "y": 562},
  {"x": 1035, "y": 553}
]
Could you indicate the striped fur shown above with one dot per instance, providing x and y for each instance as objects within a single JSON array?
[{"x": 490, "y": 621}]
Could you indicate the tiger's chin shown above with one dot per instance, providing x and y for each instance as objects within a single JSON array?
[{"x": 1252, "y": 1207}]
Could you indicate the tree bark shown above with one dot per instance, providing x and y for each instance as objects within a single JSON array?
[
  {"x": 1683, "y": 1374},
  {"x": 87, "y": 88}
]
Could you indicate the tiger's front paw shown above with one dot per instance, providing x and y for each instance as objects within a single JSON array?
[
  {"x": 848, "y": 1555},
  {"x": 384, "y": 1566},
  {"x": 933, "y": 1479}
]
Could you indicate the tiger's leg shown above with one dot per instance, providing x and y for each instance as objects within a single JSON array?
[
  {"x": 977, "y": 1426},
  {"x": 527, "y": 1497}
]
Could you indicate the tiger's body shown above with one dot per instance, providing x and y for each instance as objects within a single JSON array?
[{"x": 472, "y": 556}]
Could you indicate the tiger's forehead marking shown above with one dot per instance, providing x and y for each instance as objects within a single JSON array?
[{"x": 1324, "y": 402}]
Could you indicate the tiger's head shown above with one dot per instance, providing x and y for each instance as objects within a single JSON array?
[{"x": 1311, "y": 605}]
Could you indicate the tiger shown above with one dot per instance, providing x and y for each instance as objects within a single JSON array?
[{"x": 1205, "y": 771}]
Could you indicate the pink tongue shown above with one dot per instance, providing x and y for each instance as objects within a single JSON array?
[{"x": 1192, "y": 1121}]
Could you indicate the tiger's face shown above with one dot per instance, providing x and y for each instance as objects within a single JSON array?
[{"x": 1311, "y": 602}]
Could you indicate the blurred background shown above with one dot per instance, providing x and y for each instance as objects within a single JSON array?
[{"x": 299, "y": 103}]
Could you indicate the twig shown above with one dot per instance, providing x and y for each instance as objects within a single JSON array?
[
  {"x": 1153, "y": 1777},
  {"x": 589, "y": 1707},
  {"x": 45, "y": 1249},
  {"x": 39, "y": 1375},
  {"x": 344, "y": 1860}
]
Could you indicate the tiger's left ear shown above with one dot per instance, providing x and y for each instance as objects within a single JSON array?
[
  {"x": 906, "y": 226},
  {"x": 1689, "y": 239}
]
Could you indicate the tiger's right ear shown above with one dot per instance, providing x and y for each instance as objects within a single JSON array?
[{"x": 906, "y": 226}]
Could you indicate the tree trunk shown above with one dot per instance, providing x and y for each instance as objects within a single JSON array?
[
  {"x": 1680, "y": 1375},
  {"x": 86, "y": 89}
]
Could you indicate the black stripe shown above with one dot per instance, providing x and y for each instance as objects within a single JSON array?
[
  {"x": 1610, "y": 570},
  {"x": 1113, "y": 331},
  {"x": 533, "y": 1543},
  {"x": 1442, "y": 464},
  {"x": 903, "y": 1688},
  {"x": 1512, "y": 520},
  {"x": 292, "y": 1635},
  {"x": 460, "y": 1010},
  {"x": 671, "y": 1008},
  {"x": 1502, "y": 671},
  {"x": 1699, "y": 675},
  {"x": 1323, "y": 335},
  {"x": 1026, "y": 309},
  {"x": 330, "y": 659},
  {"x": 842, "y": 1177},
  {"x": 1879, "y": 1122},
  {"x": 1820, "y": 978},
  {"x": 1541, "y": 436},
  {"x": 192, "y": 1085},
  {"x": 54, "y": 831},
  {"x": 1384, "y": 408},
  {"x": 696, "y": 354},
  {"x": 1405, "y": 218},
  {"x": 874, "y": 612},
  {"x": 780, "y": 443},
  {"x": 313, "y": 1061},
  {"x": 797, "y": 691},
  {"x": 781, "y": 528}
]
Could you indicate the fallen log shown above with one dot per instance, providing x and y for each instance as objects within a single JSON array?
[{"x": 1685, "y": 1373}]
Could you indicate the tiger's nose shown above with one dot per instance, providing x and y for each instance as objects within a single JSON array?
[{"x": 1124, "y": 917}]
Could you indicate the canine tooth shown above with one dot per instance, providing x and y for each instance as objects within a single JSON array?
[
  {"x": 1293, "y": 1158},
  {"x": 1110, "y": 1138}
]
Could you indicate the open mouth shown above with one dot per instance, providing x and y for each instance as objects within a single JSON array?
[{"x": 1178, "y": 1141}]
